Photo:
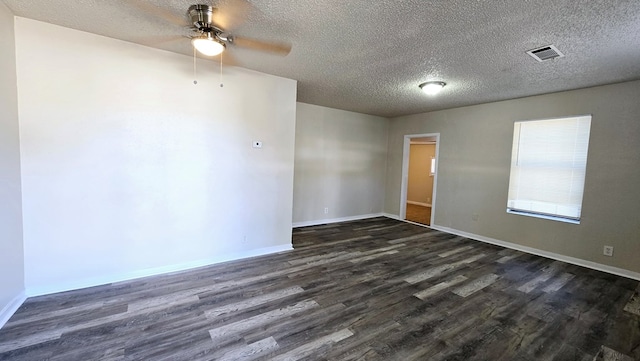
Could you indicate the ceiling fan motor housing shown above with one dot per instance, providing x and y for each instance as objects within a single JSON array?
[{"x": 202, "y": 17}]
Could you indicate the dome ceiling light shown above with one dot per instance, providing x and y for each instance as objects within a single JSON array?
[{"x": 432, "y": 87}]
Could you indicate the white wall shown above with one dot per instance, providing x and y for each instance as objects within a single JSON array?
[
  {"x": 11, "y": 251},
  {"x": 129, "y": 168},
  {"x": 473, "y": 172},
  {"x": 340, "y": 162}
]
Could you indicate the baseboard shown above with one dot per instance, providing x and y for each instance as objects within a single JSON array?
[
  {"x": 11, "y": 308},
  {"x": 336, "y": 220},
  {"x": 127, "y": 276},
  {"x": 559, "y": 257},
  {"x": 419, "y": 203},
  {"x": 394, "y": 216}
]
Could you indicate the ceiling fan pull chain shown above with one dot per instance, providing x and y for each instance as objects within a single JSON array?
[
  {"x": 194, "y": 67},
  {"x": 221, "y": 84}
]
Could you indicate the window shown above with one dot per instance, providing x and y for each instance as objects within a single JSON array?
[
  {"x": 432, "y": 170},
  {"x": 548, "y": 166}
]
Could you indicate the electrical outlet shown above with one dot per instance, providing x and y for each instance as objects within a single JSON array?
[
  {"x": 608, "y": 251},
  {"x": 326, "y": 210}
]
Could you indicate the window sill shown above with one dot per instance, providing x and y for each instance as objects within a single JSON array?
[{"x": 543, "y": 216}]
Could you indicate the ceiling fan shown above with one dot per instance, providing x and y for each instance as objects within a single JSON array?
[{"x": 211, "y": 39}]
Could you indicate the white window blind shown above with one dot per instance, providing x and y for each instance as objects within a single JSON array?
[{"x": 548, "y": 164}]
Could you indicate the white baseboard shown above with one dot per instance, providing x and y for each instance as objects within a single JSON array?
[
  {"x": 559, "y": 257},
  {"x": 127, "y": 276},
  {"x": 9, "y": 309},
  {"x": 394, "y": 216},
  {"x": 336, "y": 220},
  {"x": 419, "y": 203}
]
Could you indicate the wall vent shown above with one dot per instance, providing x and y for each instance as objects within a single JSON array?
[{"x": 545, "y": 53}]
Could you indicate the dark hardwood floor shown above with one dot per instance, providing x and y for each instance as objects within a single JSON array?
[{"x": 375, "y": 289}]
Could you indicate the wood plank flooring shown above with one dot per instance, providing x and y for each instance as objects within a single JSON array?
[{"x": 375, "y": 289}]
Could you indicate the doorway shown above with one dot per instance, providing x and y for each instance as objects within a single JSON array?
[{"x": 419, "y": 177}]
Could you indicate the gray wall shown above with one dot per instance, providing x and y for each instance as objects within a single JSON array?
[
  {"x": 475, "y": 151},
  {"x": 340, "y": 161},
  {"x": 11, "y": 253}
]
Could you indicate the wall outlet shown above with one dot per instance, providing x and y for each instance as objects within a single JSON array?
[
  {"x": 326, "y": 210},
  {"x": 608, "y": 251}
]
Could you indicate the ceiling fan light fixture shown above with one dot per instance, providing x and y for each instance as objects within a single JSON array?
[
  {"x": 432, "y": 87},
  {"x": 207, "y": 45}
]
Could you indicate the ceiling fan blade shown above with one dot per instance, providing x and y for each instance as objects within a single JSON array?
[
  {"x": 277, "y": 48},
  {"x": 164, "y": 14},
  {"x": 228, "y": 59},
  {"x": 230, "y": 14},
  {"x": 159, "y": 39}
]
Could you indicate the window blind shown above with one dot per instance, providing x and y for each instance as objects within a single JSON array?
[{"x": 548, "y": 166}]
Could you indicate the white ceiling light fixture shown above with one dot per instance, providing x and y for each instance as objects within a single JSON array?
[
  {"x": 432, "y": 87},
  {"x": 208, "y": 45}
]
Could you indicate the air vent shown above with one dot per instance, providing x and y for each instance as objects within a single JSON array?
[{"x": 545, "y": 53}]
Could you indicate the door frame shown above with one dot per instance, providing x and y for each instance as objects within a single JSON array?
[{"x": 406, "y": 149}]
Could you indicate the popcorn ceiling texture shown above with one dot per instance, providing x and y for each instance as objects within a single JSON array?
[{"x": 369, "y": 56}]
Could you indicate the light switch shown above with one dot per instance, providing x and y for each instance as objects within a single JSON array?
[{"x": 257, "y": 144}]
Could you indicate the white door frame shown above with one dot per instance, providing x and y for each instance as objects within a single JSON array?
[{"x": 406, "y": 148}]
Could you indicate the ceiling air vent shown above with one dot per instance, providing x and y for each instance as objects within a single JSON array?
[{"x": 545, "y": 53}]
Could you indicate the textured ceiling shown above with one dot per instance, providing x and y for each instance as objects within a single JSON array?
[{"x": 369, "y": 56}]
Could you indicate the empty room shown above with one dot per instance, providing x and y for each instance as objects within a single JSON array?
[{"x": 342, "y": 180}]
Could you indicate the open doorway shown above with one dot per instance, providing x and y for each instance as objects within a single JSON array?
[{"x": 419, "y": 176}]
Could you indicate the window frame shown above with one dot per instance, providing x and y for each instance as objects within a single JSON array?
[{"x": 515, "y": 153}]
